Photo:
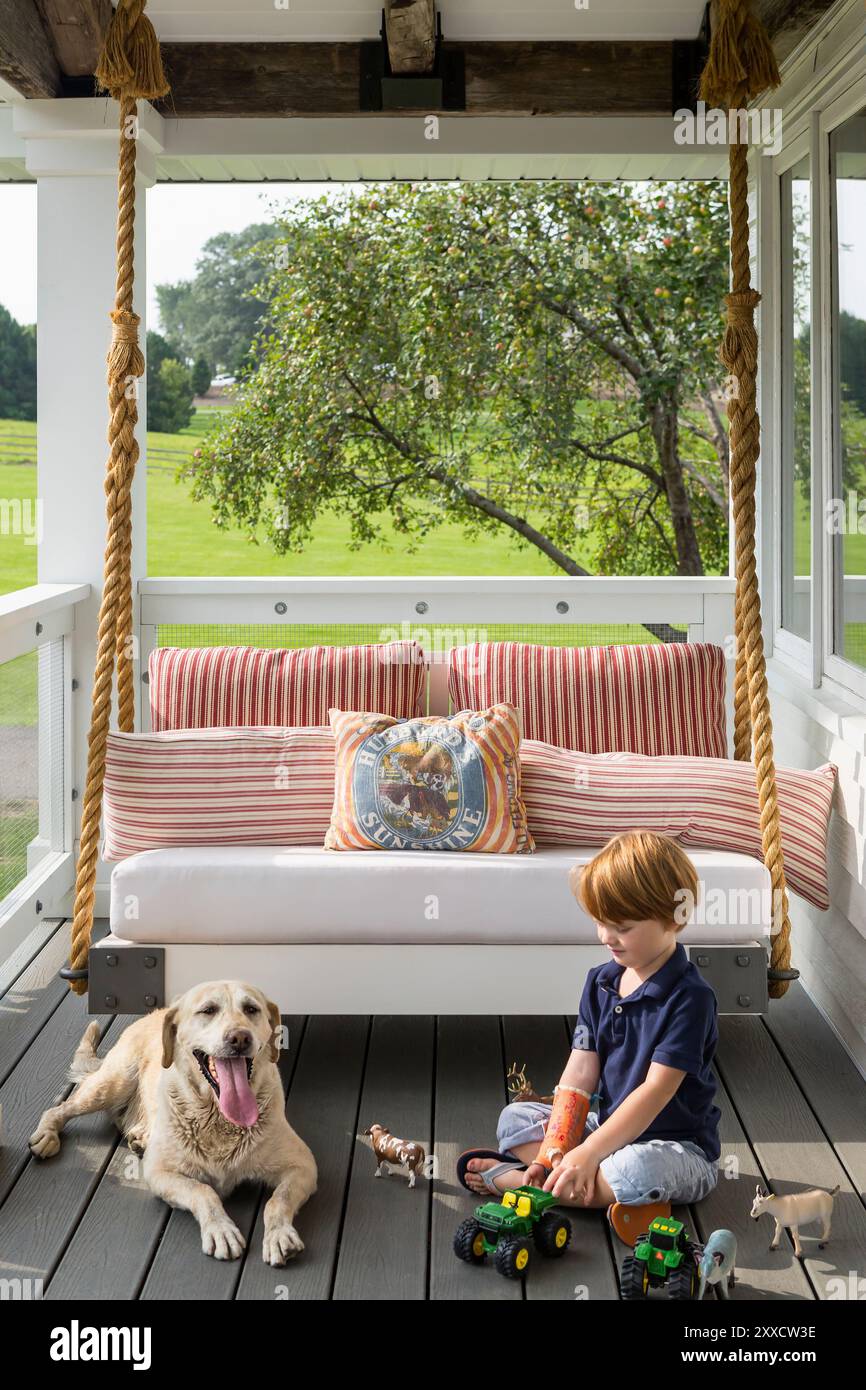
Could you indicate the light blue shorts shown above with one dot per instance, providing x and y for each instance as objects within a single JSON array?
[{"x": 657, "y": 1170}]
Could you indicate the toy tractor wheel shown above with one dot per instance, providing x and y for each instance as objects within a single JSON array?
[
  {"x": 633, "y": 1278},
  {"x": 552, "y": 1234},
  {"x": 682, "y": 1282},
  {"x": 512, "y": 1256},
  {"x": 469, "y": 1242}
]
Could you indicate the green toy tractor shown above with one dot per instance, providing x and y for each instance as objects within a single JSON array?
[
  {"x": 664, "y": 1257},
  {"x": 509, "y": 1229}
]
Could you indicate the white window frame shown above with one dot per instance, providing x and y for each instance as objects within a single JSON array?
[
  {"x": 798, "y": 651},
  {"x": 843, "y": 673}
]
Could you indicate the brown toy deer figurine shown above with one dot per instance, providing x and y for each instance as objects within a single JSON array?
[
  {"x": 520, "y": 1087},
  {"x": 403, "y": 1153}
]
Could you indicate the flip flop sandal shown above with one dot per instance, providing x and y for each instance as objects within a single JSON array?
[{"x": 504, "y": 1165}]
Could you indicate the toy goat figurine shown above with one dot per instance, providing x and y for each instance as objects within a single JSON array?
[
  {"x": 520, "y": 1088},
  {"x": 403, "y": 1153},
  {"x": 795, "y": 1210},
  {"x": 716, "y": 1264}
]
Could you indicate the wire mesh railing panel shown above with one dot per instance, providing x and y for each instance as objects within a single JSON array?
[
  {"x": 31, "y": 762},
  {"x": 434, "y": 638}
]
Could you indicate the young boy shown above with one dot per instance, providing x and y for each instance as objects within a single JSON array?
[{"x": 645, "y": 1040}]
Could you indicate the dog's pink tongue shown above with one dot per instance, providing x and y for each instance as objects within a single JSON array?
[{"x": 236, "y": 1099}]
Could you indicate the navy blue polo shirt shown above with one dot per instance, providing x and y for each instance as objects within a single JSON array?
[{"x": 670, "y": 1018}]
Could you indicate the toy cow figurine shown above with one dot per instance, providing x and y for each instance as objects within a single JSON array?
[
  {"x": 520, "y": 1088},
  {"x": 716, "y": 1264},
  {"x": 795, "y": 1210},
  {"x": 404, "y": 1153}
]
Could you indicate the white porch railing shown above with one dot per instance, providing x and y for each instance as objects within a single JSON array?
[
  {"x": 37, "y": 627},
  {"x": 439, "y": 613}
]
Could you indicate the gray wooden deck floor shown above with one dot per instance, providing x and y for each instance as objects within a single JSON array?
[{"x": 84, "y": 1224}]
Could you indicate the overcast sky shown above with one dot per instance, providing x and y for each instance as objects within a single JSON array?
[{"x": 181, "y": 217}]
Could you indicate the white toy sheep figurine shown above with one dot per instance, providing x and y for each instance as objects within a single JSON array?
[{"x": 795, "y": 1210}]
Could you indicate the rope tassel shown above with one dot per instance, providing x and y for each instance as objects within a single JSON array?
[
  {"x": 741, "y": 63},
  {"x": 130, "y": 63}
]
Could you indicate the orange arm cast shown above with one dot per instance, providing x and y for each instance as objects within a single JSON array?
[{"x": 565, "y": 1126}]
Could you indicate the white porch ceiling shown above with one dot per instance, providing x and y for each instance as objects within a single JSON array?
[{"x": 215, "y": 21}]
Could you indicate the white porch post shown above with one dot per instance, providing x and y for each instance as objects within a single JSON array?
[{"x": 71, "y": 149}]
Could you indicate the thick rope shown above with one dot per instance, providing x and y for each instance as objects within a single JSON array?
[
  {"x": 741, "y": 65},
  {"x": 129, "y": 68}
]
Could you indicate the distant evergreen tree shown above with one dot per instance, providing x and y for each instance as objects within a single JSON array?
[
  {"x": 201, "y": 375},
  {"x": 17, "y": 369},
  {"x": 169, "y": 387}
]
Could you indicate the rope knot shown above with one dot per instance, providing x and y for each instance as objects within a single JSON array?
[
  {"x": 125, "y": 357},
  {"x": 741, "y": 306},
  {"x": 125, "y": 326}
]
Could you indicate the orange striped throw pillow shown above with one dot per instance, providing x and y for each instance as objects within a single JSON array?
[
  {"x": 259, "y": 786},
  {"x": 705, "y": 803},
  {"x": 659, "y": 699},
  {"x": 433, "y": 783},
  {"x": 226, "y": 687}
]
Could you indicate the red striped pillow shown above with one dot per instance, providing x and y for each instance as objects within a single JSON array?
[
  {"x": 581, "y": 799},
  {"x": 258, "y": 786},
  {"x": 225, "y": 687},
  {"x": 662, "y": 699}
]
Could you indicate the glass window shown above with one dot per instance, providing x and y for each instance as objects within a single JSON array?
[
  {"x": 796, "y": 400},
  {"x": 846, "y": 515}
]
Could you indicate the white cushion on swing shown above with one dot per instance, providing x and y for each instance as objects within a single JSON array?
[{"x": 309, "y": 895}]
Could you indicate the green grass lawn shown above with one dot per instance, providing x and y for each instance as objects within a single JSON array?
[{"x": 182, "y": 538}]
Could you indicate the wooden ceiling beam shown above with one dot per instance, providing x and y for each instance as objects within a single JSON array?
[
  {"x": 508, "y": 79},
  {"x": 27, "y": 60},
  {"x": 77, "y": 29}
]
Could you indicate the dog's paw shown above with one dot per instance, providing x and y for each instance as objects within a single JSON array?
[
  {"x": 222, "y": 1239},
  {"x": 136, "y": 1141},
  {"x": 44, "y": 1142},
  {"x": 281, "y": 1244}
]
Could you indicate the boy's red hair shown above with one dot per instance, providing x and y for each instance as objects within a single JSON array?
[{"x": 637, "y": 877}]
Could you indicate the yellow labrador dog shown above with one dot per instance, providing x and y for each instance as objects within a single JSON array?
[{"x": 195, "y": 1088}]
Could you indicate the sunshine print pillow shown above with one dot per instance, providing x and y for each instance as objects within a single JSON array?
[{"x": 432, "y": 783}]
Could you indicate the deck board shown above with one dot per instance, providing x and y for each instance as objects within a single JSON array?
[
  {"x": 827, "y": 1076},
  {"x": 383, "y": 1247},
  {"x": 759, "y": 1275},
  {"x": 41, "y": 1213},
  {"x": 323, "y": 1107},
  {"x": 793, "y": 1116},
  {"x": 792, "y": 1149},
  {"x": 29, "y": 1002},
  {"x": 470, "y": 1092},
  {"x": 26, "y": 951}
]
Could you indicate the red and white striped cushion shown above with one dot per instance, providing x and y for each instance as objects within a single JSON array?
[
  {"x": 704, "y": 803},
  {"x": 663, "y": 699},
  {"x": 257, "y": 786},
  {"x": 225, "y": 687}
]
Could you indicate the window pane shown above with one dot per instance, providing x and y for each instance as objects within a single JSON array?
[
  {"x": 796, "y": 401},
  {"x": 847, "y": 520}
]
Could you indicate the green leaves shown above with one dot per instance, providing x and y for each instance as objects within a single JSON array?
[{"x": 426, "y": 345}]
